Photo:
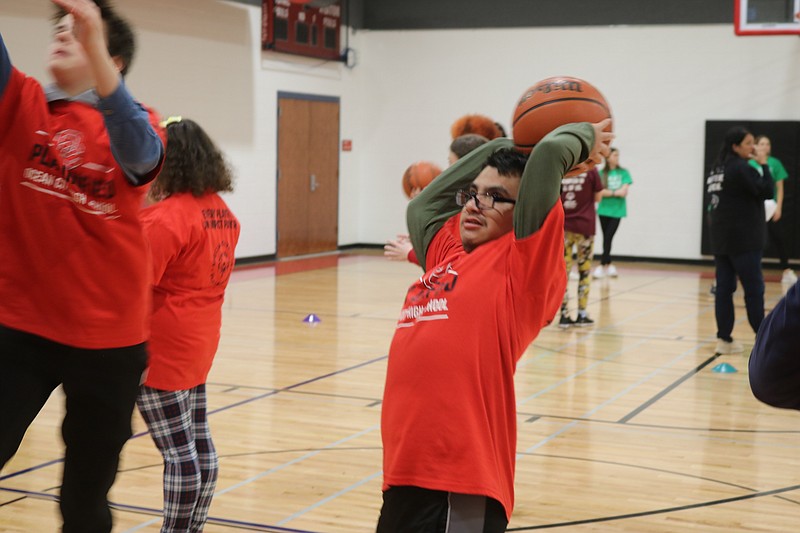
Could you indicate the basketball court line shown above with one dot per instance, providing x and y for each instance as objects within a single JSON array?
[
  {"x": 604, "y": 330},
  {"x": 329, "y": 498},
  {"x": 273, "y": 470},
  {"x": 220, "y": 409},
  {"x": 666, "y": 390},
  {"x": 135, "y": 509},
  {"x": 611, "y": 400},
  {"x": 332, "y": 497},
  {"x": 603, "y": 421},
  {"x": 369, "y": 478},
  {"x": 660, "y": 511},
  {"x": 607, "y": 358},
  {"x": 637, "y": 411}
]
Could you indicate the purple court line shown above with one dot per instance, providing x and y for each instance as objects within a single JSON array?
[
  {"x": 231, "y": 406},
  {"x": 146, "y": 510},
  {"x": 31, "y": 469}
]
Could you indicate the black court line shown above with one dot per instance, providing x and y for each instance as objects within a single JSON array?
[
  {"x": 220, "y": 409},
  {"x": 296, "y": 385},
  {"x": 305, "y": 393},
  {"x": 266, "y": 452},
  {"x": 31, "y": 469},
  {"x": 669, "y": 389},
  {"x": 536, "y": 416},
  {"x": 658, "y": 511},
  {"x": 134, "y": 509}
]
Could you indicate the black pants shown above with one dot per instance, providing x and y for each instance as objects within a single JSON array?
[
  {"x": 100, "y": 387},
  {"x": 747, "y": 267},
  {"x": 609, "y": 225},
  {"x": 775, "y": 236},
  {"x": 418, "y": 510}
]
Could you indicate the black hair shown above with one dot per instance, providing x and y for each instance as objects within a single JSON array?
[
  {"x": 119, "y": 33},
  {"x": 735, "y": 135},
  {"x": 508, "y": 162},
  {"x": 464, "y": 144}
]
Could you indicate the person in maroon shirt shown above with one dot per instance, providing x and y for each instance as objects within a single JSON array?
[{"x": 578, "y": 196}]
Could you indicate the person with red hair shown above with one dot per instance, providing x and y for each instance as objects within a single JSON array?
[{"x": 479, "y": 124}]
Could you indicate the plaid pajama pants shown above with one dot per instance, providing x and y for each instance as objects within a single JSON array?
[{"x": 179, "y": 427}]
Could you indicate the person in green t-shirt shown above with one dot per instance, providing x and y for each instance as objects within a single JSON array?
[
  {"x": 779, "y": 175},
  {"x": 612, "y": 209}
]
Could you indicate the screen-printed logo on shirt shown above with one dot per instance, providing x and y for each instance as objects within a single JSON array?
[
  {"x": 69, "y": 144},
  {"x": 427, "y": 297},
  {"x": 223, "y": 263}
]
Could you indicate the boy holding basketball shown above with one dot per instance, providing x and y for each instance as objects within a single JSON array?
[
  {"x": 494, "y": 277},
  {"x": 74, "y": 280}
]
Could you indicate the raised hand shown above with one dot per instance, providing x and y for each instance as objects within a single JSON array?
[
  {"x": 600, "y": 150},
  {"x": 397, "y": 249}
]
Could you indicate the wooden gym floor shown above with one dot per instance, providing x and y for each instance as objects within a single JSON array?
[{"x": 624, "y": 426}]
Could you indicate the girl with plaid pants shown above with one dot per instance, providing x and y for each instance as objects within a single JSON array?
[{"x": 192, "y": 236}]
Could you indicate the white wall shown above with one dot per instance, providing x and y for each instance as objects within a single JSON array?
[
  {"x": 662, "y": 82},
  {"x": 202, "y": 59}
]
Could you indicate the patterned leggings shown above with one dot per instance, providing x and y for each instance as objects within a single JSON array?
[
  {"x": 177, "y": 422},
  {"x": 584, "y": 246}
]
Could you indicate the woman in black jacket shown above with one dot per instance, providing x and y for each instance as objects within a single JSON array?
[{"x": 738, "y": 230}]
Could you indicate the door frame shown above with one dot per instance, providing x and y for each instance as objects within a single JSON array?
[{"x": 291, "y": 95}]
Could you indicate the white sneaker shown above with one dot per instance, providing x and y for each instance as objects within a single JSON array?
[
  {"x": 598, "y": 273},
  {"x": 612, "y": 271},
  {"x": 789, "y": 276},
  {"x": 726, "y": 348},
  {"x": 573, "y": 275}
]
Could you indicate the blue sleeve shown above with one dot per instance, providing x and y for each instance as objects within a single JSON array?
[
  {"x": 135, "y": 144},
  {"x": 5, "y": 66},
  {"x": 775, "y": 360}
]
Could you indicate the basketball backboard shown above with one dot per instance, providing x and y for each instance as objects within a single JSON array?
[{"x": 767, "y": 17}]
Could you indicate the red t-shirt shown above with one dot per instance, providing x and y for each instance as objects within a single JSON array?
[
  {"x": 192, "y": 242},
  {"x": 577, "y": 196},
  {"x": 449, "y": 410},
  {"x": 75, "y": 268}
]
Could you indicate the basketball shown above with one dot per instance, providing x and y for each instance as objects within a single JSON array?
[
  {"x": 554, "y": 102},
  {"x": 418, "y": 175}
]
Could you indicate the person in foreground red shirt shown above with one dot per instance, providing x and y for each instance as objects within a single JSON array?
[
  {"x": 192, "y": 235},
  {"x": 489, "y": 232},
  {"x": 75, "y": 156}
]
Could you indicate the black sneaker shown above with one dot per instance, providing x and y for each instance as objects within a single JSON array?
[
  {"x": 565, "y": 322},
  {"x": 583, "y": 321}
]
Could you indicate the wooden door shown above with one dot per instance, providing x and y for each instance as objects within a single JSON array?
[{"x": 308, "y": 175}]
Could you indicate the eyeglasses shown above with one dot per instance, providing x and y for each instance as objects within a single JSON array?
[{"x": 483, "y": 200}]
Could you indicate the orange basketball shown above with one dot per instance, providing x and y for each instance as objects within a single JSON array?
[
  {"x": 419, "y": 175},
  {"x": 552, "y": 103}
]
